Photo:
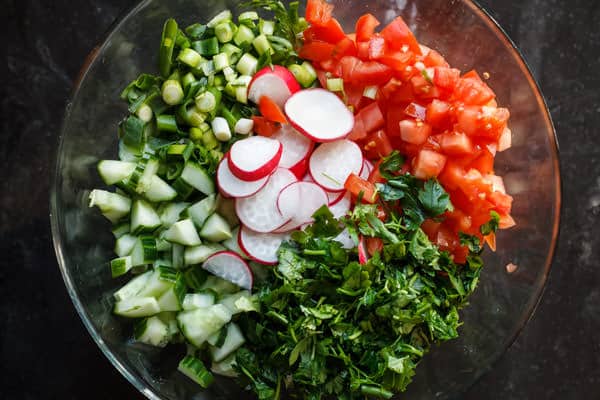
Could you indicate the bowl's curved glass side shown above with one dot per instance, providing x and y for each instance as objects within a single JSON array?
[{"x": 466, "y": 37}]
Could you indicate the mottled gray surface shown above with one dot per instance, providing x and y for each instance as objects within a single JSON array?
[{"x": 45, "y": 353}]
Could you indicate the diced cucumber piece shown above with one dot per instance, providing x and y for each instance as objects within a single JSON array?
[
  {"x": 194, "y": 369},
  {"x": 195, "y": 277},
  {"x": 215, "y": 229},
  {"x": 163, "y": 245},
  {"x": 195, "y": 176},
  {"x": 197, "y": 325},
  {"x": 239, "y": 302},
  {"x": 152, "y": 331},
  {"x": 200, "y": 211},
  {"x": 183, "y": 232},
  {"x": 171, "y": 212},
  {"x": 159, "y": 190},
  {"x": 177, "y": 256},
  {"x": 120, "y": 229},
  {"x": 162, "y": 279},
  {"x": 225, "y": 367},
  {"x": 113, "y": 171},
  {"x": 172, "y": 299},
  {"x": 137, "y": 307},
  {"x": 120, "y": 266},
  {"x": 112, "y": 205},
  {"x": 218, "y": 338},
  {"x": 143, "y": 173},
  {"x": 192, "y": 301},
  {"x": 127, "y": 153},
  {"x": 233, "y": 341},
  {"x": 199, "y": 254},
  {"x": 226, "y": 208},
  {"x": 221, "y": 286},
  {"x": 143, "y": 217},
  {"x": 124, "y": 245},
  {"x": 233, "y": 244},
  {"x": 144, "y": 251},
  {"x": 133, "y": 287},
  {"x": 170, "y": 319}
]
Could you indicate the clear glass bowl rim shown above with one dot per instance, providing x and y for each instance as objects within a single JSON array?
[{"x": 91, "y": 58}]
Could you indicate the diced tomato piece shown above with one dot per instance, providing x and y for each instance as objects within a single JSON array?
[
  {"x": 438, "y": 114},
  {"x": 396, "y": 91},
  {"x": 497, "y": 183},
  {"x": 491, "y": 241},
  {"x": 470, "y": 89},
  {"x": 358, "y": 132},
  {"x": 329, "y": 65},
  {"x": 375, "y": 175},
  {"x": 378, "y": 145},
  {"x": 322, "y": 76},
  {"x": 316, "y": 50},
  {"x": 318, "y": 12},
  {"x": 506, "y": 221},
  {"x": 331, "y": 32},
  {"x": 474, "y": 186},
  {"x": 374, "y": 245},
  {"x": 434, "y": 59},
  {"x": 400, "y": 61},
  {"x": 353, "y": 95},
  {"x": 423, "y": 87},
  {"x": 377, "y": 47},
  {"x": 416, "y": 111},
  {"x": 365, "y": 27},
  {"x": 398, "y": 34},
  {"x": 415, "y": 132},
  {"x": 484, "y": 163},
  {"x": 351, "y": 36},
  {"x": 431, "y": 228},
  {"x": 372, "y": 117},
  {"x": 360, "y": 187},
  {"x": 452, "y": 175},
  {"x": 428, "y": 164},
  {"x": 468, "y": 119},
  {"x": 363, "y": 50},
  {"x": 270, "y": 110},
  {"x": 264, "y": 127},
  {"x": 345, "y": 47},
  {"x": 486, "y": 122},
  {"x": 365, "y": 73},
  {"x": 456, "y": 143},
  {"x": 502, "y": 202},
  {"x": 445, "y": 77}
]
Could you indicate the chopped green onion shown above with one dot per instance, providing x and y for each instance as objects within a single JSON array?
[
  {"x": 206, "y": 102},
  {"x": 233, "y": 52},
  {"x": 166, "y": 123},
  {"x": 229, "y": 73},
  {"x": 196, "y": 134},
  {"x": 244, "y": 126},
  {"x": 302, "y": 75},
  {"x": 195, "y": 31},
  {"x": 220, "y": 61},
  {"x": 262, "y": 45},
  {"x": 190, "y": 57},
  {"x": 194, "y": 369},
  {"x": 335, "y": 84},
  {"x": 248, "y": 15},
  {"x": 221, "y": 129},
  {"x": 225, "y": 31},
  {"x": 208, "y": 69},
  {"x": 207, "y": 47},
  {"x": 247, "y": 64},
  {"x": 209, "y": 139},
  {"x": 266, "y": 27},
  {"x": 241, "y": 94},
  {"x": 165, "y": 55},
  {"x": 370, "y": 92},
  {"x": 243, "y": 36},
  {"x": 172, "y": 92},
  {"x": 144, "y": 112},
  {"x": 187, "y": 80}
]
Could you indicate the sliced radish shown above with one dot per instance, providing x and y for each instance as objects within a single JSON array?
[
  {"x": 319, "y": 114},
  {"x": 232, "y": 186},
  {"x": 363, "y": 256},
  {"x": 345, "y": 239},
  {"x": 287, "y": 227},
  {"x": 367, "y": 169},
  {"x": 231, "y": 267},
  {"x": 255, "y": 157},
  {"x": 299, "y": 200},
  {"x": 259, "y": 212},
  {"x": 296, "y": 149},
  {"x": 261, "y": 247},
  {"x": 332, "y": 163},
  {"x": 342, "y": 207},
  {"x": 276, "y": 82},
  {"x": 335, "y": 197}
]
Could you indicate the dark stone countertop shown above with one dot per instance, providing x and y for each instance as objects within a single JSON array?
[{"x": 45, "y": 352}]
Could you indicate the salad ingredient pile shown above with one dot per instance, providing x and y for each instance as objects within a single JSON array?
[{"x": 304, "y": 208}]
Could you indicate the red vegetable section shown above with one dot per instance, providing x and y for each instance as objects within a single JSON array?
[{"x": 447, "y": 124}]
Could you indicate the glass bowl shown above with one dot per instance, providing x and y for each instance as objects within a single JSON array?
[{"x": 467, "y": 37}]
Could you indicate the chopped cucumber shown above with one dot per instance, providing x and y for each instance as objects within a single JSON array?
[
  {"x": 120, "y": 229},
  {"x": 159, "y": 190},
  {"x": 113, "y": 171},
  {"x": 144, "y": 251},
  {"x": 192, "y": 301},
  {"x": 194, "y": 369},
  {"x": 199, "y": 254},
  {"x": 200, "y": 211},
  {"x": 215, "y": 229},
  {"x": 221, "y": 286},
  {"x": 195, "y": 176},
  {"x": 144, "y": 218},
  {"x": 197, "y": 325},
  {"x": 233, "y": 341},
  {"x": 112, "y": 205},
  {"x": 120, "y": 266},
  {"x": 124, "y": 245},
  {"x": 137, "y": 307},
  {"x": 152, "y": 331},
  {"x": 225, "y": 367},
  {"x": 183, "y": 232},
  {"x": 162, "y": 279},
  {"x": 233, "y": 244},
  {"x": 239, "y": 302},
  {"x": 226, "y": 208},
  {"x": 171, "y": 212},
  {"x": 172, "y": 299},
  {"x": 195, "y": 277},
  {"x": 133, "y": 287},
  {"x": 177, "y": 256}
]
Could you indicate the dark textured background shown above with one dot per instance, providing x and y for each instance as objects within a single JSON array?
[{"x": 45, "y": 352}]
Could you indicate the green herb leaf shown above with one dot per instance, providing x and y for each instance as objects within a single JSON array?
[
  {"x": 492, "y": 225},
  {"x": 434, "y": 198}
]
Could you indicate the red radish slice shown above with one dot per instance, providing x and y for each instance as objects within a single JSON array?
[
  {"x": 299, "y": 201},
  {"x": 288, "y": 227},
  {"x": 345, "y": 239},
  {"x": 319, "y": 114},
  {"x": 261, "y": 247},
  {"x": 276, "y": 82},
  {"x": 255, "y": 157},
  {"x": 296, "y": 149},
  {"x": 259, "y": 212},
  {"x": 231, "y": 186},
  {"x": 332, "y": 163},
  {"x": 363, "y": 256},
  {"x": 335, "y": 197},
  {"x": 367, "y": 169},
  {"x": 342, "y": 207},
  {"x": 231, "y": 267},
  {"x": 301, "y": 168},
  {"x": 308, "y": 178}
]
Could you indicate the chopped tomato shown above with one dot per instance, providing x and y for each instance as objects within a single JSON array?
[
  {"x": 502, "y": 202},
  {"x": 415, "y": 132},
  {"x": 353, "y": 95},
  {"x": 398, "y": 34},
  {"x": 377, "y": 48},
  {"x": 438, "y": 114},
  {"x": 359, "y": 187},
  {"x": 378, "y": 145},
  {"x": 423, "y": 87},
  {"x": 371, "y": 117},
  {"x": 486, "y": 122},
  {"x": 484, "y": 163},
  {"x": 434, "y": 59},
  {"x": 358, "y": 131},
  {"x": 451, "y": 176},
  {"x": 491, "y": 241},
  {"x": 366, "y": 73},
  {"x": 363, "y": 50},
  {"x": 331, "y": 32},
  {"x": 416, "y": 111},
  {"x": 428, "y": 164},
  {"x": 456, "y": 143},
  {"x": 506, "y": 221},
  {"x": 375, "y": 175},
  {"x": 345, "y": 47},
  {"x": 365, "y": 27},
  {"x": 270, "y": 110},
  {"x": 374, "y": 245},
  {"x": 431, "y": 228},
  {"x": 264, "y": 127},
  {"x": 470, "y": 89},
  {"x": 445, "y": 77},
  {"x": 318, "y": 12},
  {"x": 396, "y": 91},
  {"x": 400, "y": 61},
  {"x": 316, "y": 50}
]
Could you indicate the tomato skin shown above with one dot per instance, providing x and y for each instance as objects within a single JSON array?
[
  {"x": 345, "y": 47},
  {"x": 424, "y": 88},
  {"x": 435, "y": 59},
  {"x": 375, "y": 176},
  {"x": 445, "y": 77},
  {"x": 395, "y": 91},
  {"x": 354, "y": 95},
  {"x": 484, "y": 122},
  {"x": 428, "y": 164},
  {"x": 366, "y": 73},
  {"x": 374, "y": 245},
  {"x": 372, "y": 117},
  {"x": 355, "y": 185},
  {"x": 506, "y": 221},
  {"x": 331, "y": 32},
  {"x": 502, "y": 202},
  {"x": 318, "y": 12},
  {"x": 398, "y": 34},
  {"x": 414, "y": 132},
  {"x": 365, "y": 27},
  {"x": 484, "y": 163},
  {"x": 317, "y": 50},
  {"x": 456, "y": 144},
  {"x": 271, "y": 111},
  {"x": 439, "y": 114},
  {"x": 471, "y": 90},
  {"x": 416, "y": 111},
  {"x": 358, "y": 131},
  {"x": 264, "y": 127},
  {"x": 378, "y": 145}
]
